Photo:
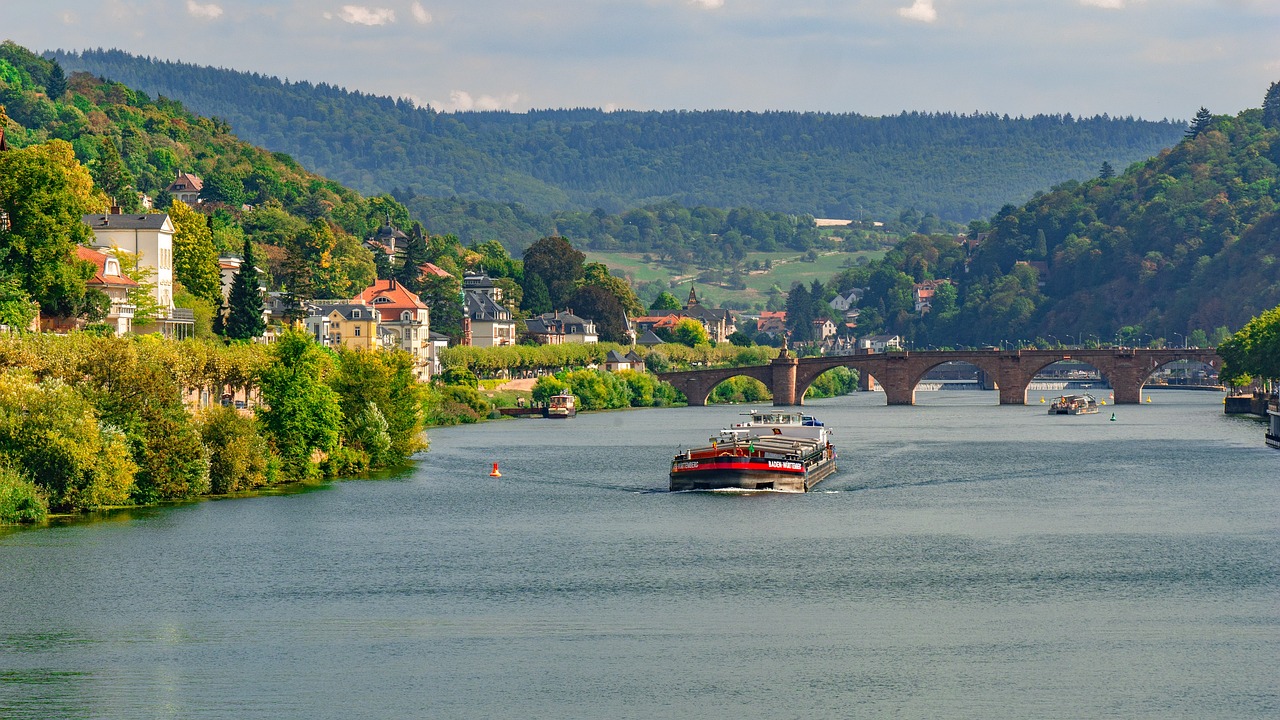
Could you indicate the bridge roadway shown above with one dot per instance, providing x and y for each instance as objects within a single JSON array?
[{"x": 788, "y": 377}]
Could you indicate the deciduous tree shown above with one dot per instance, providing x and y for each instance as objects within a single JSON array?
[{"x": 195, "y": 259}]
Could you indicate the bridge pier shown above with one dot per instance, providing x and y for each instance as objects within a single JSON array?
[{"x": 784, "y": 380}]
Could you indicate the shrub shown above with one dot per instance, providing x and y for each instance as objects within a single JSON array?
[
  {"x": 20, "y": 500},
  {"x": 239, "y": 457}
]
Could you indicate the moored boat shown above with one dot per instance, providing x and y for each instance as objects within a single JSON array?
[
  {"x": 1074, "y": 405},
  {"x": 560, "y": 406},
  {"x": 1273, "y": 430},
  {"x": 773, "y": 450}
]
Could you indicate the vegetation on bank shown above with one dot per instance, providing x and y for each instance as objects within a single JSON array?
[
  {"x": 90, "y": 422},
  {"x": 1252, "y": 355}
]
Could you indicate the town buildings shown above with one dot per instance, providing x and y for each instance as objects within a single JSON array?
[
  {"x": 489, "y": 322},
  {"x": 556, "y": 328}
]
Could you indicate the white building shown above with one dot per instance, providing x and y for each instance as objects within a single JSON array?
[{"x": 150, "y": 237}]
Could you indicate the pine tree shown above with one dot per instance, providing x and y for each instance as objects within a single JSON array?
[
  {"x": 416, "y": 254},
  {"x": 56, "y": 86},
  {"x": 1200, "y": 123},
  {"x": 1271, "y": 106},
  {"x": 1107, "y": 172},
  {"x": 244, "y": 322}
]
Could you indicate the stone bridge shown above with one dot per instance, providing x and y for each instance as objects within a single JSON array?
[{"x": 788, "y": 377}]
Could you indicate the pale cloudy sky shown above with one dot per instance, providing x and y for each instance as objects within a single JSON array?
[{"x": 1148, "y": 58}]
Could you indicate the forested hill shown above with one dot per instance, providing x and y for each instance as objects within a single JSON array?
[
  {"x": 1184, "y": 243},
  {"x": 958, "y": 167}
]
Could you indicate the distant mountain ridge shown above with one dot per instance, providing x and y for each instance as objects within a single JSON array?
[{"x": 959, "y": 167}]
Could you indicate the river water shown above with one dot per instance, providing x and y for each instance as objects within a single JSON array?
[{"x": 967, "y": 561}]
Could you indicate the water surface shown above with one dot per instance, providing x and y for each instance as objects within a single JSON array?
[{"x": 967, "y": 561}]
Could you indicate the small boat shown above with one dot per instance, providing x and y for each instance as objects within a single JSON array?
[
  {"x": 1273, "y": 431},
  {"x": 773, "y": 450},
  {"x": 1074, "y": 405},
  {"x": 560, "y": 406}
]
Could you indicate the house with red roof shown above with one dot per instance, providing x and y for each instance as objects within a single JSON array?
[
  {"x": 108, "y": 278},
  {"x": 186, "y": 187},
  {"x": 403, "y": 321}
]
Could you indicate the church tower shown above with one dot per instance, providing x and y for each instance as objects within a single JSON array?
[{"x": 693, "y": 298}]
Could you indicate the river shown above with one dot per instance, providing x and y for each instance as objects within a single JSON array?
[{"x": 967, "y": 561}]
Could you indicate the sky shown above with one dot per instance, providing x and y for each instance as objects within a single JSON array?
[{"x": 1153, "y": 59}]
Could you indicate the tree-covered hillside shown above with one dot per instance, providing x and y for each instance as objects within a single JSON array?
[
  {"x": 958, "y": 167},
  {"x": 94, "y": 141},
  {"x": 1187, "y": 241}
]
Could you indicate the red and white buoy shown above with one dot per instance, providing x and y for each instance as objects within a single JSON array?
[{"x": 495, "y": 472}]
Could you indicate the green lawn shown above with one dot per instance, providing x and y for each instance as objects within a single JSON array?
[{"x": 788, "y": 267}]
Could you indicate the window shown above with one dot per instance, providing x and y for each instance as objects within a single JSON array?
[
  {"x": 357, "y": 331},
  {"x": 355, "y": 314}
]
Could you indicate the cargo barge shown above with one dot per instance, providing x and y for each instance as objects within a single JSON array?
[{"x": 783, "y": 451}]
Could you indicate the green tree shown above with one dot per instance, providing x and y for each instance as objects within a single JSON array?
[
  {"x": 1271, "y": 107},
  {"x": 665, "y": 301},
  {"x": 559, "y": 265},
  {"x": 379, "y": 397},
  {"x": 195, "y": 259},
  {"x": 690, "y": 332},
  {"x": 56, "y": 85},
  {"x": 301, "y": 415},
  {"x": 1199, "y": 123},
  {"x": 1107, "y": 172},
  {"x": 239, "y": 458},
  {"x": 52, "y": 432},
  {"x": 244, "y": 318},
  {"x": 1253, "y": 351},
  {"x": 537, "y": 299},
  {"x": 45, "y": 193},
  {"x": 597, "y": 274},
  {"x": 110, "y": 174},
  {"x": 600, "y": 305},
  {"x": 20, "y": 500},
  {"x": 16, "y": 309}
]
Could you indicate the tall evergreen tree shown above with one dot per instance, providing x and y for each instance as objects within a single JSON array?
[
  {"x": 536, "y": 298},
  {"x": 1107, "y": 172},
  {"x": 1199, "y": 123},
  {"x": 1271, "y": 106},
  {"x": 416, "y": 253},
  {"x": 56, "y": 86},
  {"x": 244, "y": 321}
]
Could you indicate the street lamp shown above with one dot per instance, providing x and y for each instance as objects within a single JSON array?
[
  {"x": 1097, "y": 340},
  {"x": 1149, "y": 337},
  {"x": 1184, "y": 340},
  {"x": 1055, "y": 339}
]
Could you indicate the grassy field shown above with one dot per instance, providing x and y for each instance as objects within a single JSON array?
[{"x": 788, "y": 267}]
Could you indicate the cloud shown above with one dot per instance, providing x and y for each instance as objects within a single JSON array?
[
  {"x": 361, "y": 15},
  {"x": 68, "y": 18},
  {"x": 920, "y": 10},
  {"x": 420, "y": 13},
  {"x": 1105, "y": 4},
  {"x": 461, "y": 100},
  {"x": 204, "y": 12},
  {"x": 708, "y": 4}
]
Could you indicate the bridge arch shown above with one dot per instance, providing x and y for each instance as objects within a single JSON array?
[{"x": 698, "y": 384}]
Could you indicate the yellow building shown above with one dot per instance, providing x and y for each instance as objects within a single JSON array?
[{"x": 353, "y": 325}]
